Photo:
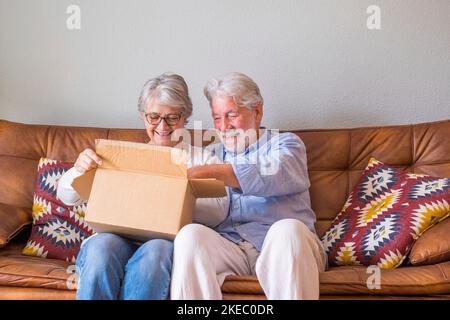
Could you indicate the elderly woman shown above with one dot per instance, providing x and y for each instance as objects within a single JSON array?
[{"x": 111, "y": 267}]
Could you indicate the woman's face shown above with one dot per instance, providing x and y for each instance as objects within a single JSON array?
[{"x": 160, "y": 130}]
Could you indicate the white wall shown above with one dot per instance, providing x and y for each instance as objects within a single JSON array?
[{"x": 317, "y": 63}]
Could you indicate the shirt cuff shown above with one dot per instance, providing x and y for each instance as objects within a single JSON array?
[{"x": 248, "y": 177}]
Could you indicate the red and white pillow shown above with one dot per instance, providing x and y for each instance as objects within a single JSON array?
[
  {"x": 386, "y": 212},
  {"x": 58, "y": 230}
]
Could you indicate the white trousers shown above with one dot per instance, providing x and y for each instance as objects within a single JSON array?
[{"x": 287, "y": 268}]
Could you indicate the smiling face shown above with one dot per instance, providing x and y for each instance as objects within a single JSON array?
[
  {"x": 237, "y": 126},
  {"x": 161, "y": 133}
]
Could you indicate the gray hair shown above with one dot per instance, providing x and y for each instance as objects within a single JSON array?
[
  {"x": 168, "y": 89},
  {"x": 241, "y": 88}
]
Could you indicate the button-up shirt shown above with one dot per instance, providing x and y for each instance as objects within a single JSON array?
[{"x": 274, "y": 185}]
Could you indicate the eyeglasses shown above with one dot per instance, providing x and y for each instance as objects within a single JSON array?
[{"x": 172, "y": 119}]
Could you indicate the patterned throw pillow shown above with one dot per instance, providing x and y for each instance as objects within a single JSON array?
[
  {"x": 58, "y": 229},
  {"x": 383, "y": 216}
]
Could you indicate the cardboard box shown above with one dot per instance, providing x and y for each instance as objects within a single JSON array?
[{"x": 141, "y": 191}]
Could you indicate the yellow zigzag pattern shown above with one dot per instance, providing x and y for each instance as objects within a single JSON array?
[
  {"x": 40, "y": 208},
  {"x": 346, "y": 255},
  {"x": 34, "y": 249},
  {"x": 391, "y": 260},
  {"x": 427, "y": 215},
  {"x": 377, "y": 206}
]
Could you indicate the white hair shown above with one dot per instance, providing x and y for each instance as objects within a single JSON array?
[
  {"x": 241, "y": 88},
  {"x": 168, "y": 89}
]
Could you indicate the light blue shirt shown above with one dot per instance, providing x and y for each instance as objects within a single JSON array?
[{"x": 274, "y": 182}]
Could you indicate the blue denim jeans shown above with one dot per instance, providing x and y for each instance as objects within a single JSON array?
[{"x": 111, "y": 267}]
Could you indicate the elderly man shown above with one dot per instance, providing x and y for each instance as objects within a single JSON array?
[{"x": 269, "y": 230}]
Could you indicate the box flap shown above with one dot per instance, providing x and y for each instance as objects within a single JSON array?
[
  {"x": 141, "y": 157},
  {"x": 207, "y": 188},
  {"x": 83, "y": 184}
]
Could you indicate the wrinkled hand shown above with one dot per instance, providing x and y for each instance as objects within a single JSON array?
[
  {"x": 194, "y": 172},
  {"x": 87, "y": 160},
  {"x": 222, "y": 171}
]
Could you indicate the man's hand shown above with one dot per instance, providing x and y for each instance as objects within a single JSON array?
[
  {"x": 87, "y": 160},
  {"x": 223, "y": 172}
]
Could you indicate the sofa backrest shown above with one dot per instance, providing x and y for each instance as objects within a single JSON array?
[{"x": 336, "y": 157}]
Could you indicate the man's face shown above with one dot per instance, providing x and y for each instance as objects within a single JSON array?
[{"x": 237, "y": 126}]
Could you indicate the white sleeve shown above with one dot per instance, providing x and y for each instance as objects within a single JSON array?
[
  {"x": 208, "y": 211},
  {"x": 65, "y": 192}
]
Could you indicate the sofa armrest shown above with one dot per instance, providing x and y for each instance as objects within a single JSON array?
[{"x": 12, "y": 221}]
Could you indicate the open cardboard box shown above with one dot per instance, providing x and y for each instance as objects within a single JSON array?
[{"x": 141, "y": 191}]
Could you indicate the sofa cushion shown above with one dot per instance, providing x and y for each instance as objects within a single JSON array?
[
  {"x": 58, "y": 229},
  {"x": 433, "y": 246},
  {"x": 18, "y": 270},
  {"x": 13, "y": 220},
  {"x": 386, "y": 212},
  {"x": 348, "y": 280},
  {"x": 409, "y": 281},
  {"x": 21, "y": 293}
]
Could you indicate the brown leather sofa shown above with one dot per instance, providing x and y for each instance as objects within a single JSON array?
[{"x": 336, "y": 158}]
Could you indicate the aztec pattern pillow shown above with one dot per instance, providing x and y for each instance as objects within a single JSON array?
[
  {"x": 58, "y": 229},
  {"x": 386, "y": 212}
]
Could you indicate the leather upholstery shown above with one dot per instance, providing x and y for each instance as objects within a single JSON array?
[
  {"x": 13, "y": 220},
  {"x": 336, "y": 159},
  {"x": 18, "y": 270},
  {"x": 406, "y": 281},
  {"x": 21, "y": 293},
  {"x": 433, "y": 246}
]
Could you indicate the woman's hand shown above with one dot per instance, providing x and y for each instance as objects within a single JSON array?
[{"x": 87, "y": 160}]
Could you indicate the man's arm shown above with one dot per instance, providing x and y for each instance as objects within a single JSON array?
[
  {"x": 223, "y": 172},
  {"x": 280, "y": 171}
]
